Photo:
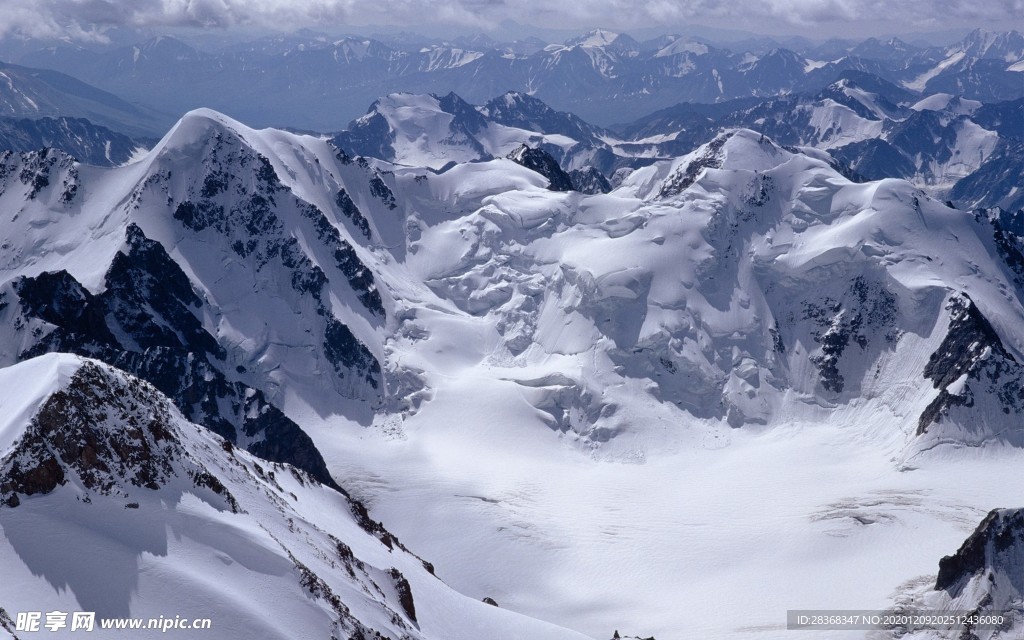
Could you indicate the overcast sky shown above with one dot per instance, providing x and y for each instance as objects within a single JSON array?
[{"x": 85, "y": 19}]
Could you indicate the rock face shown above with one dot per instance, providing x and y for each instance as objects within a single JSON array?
[
  {"x": 991, "y": 184},
  {"x": 984, "y": 577},
  {"x": 149, "y": 302},
  {"x": 542, "y": 162},
  {"x": 589, "y": 180},
  {"x": 996, "y": 549},
  {"x": 161, "y": 315},
  {"x": 106, "y": 432},
  {"x": 972, "y": 370}
]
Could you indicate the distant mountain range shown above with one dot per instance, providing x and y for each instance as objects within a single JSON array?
[
  {"x": 37, "y": 93},
  {"x": 952, "y": 145},
  {"x": 87, "y": 142},
  {"x": 869, "y": 128},
  {"x": 317, "y": 83}
]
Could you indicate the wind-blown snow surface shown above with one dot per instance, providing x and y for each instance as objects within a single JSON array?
[
  {"x": 156, "y": 516},
  {"x": 584, "y": 325},
  {"x": 721, "y": 391}
]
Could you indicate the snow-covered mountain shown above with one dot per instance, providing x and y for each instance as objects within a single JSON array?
[
  {"x": 954, "y": 148},
  {"x": 431, "y": 131},
  {"x": 121, "y": 265},
  {"x": 872, "y": 127},
  {"x": 39, "y": 93},
  {"x": 77, "y": 137},
  {"x": 984, "y": 66},
  {"x": 582, "y": 405},
  {"x": 318, "y": 82},
  {"x": 113, "y": 503}
]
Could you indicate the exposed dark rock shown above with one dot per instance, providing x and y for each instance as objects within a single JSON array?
[
  {"x": 359, "y": 277},
  {"x": 686, "y": 176},
  {"x": 318, "y": 588},
  {"x": 541, "y": 161},
  {"x": 7, "y": 623},
  {"x": 352, "y": 212},
  {"x": 345, "y": 351},
  {"x": 144, "y": 285},
  {"x": 996, "y": 544},
  {"x": 370, "y": 135},
  {"x": 371, "y": 526},
  {"x": 864, "y": 308},
  {"x": 239, "y": 197},
  {"x": 1008, "y": 236},
  {"x": 381, "y": 190},
  {"x": 589, "y": 180},
  {"x": 404, "y": 591},
  {"x": 148, "y": 301},
  {"x": 971, "y": 348},
  {"x": 77, "y": 137},
  {"x": 109, "y": 432},
  {"x": 467, "y": 118}
]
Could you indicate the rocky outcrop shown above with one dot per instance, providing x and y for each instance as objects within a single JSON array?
[
  {"x": 106, "y": 431},
  {"x": 971, "y": 367},
  {"x": 997, "y": 545},
  {"x": 145, "y": 322},
  {"x": 541, "y": 161}
]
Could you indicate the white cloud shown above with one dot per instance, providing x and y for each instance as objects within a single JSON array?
[{"x": 86, "y": 19}]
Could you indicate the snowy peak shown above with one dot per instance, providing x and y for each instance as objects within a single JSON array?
[
  {"x": 447, "y": 57},
  {"x": 182, "y": 268},
  {"x": 163, "y": 49},
  {"x": 99, "y": 430},
  {"x": 354, "y": 50},
  {"x": 777, "y": 60},
  {"x": 600, "y": 38},
  {"x": 198, "y": 126},
  {"x": 742, "y": 149},
  {"x": 974, "y": 373},
  {"x": 527, "y": 112},
  {"x": 682, "y": 46},
  {"x": 91, "y": 144},
  {"x": 891, "y": 49},
  {"x": 954, "y": 105},
  {"x": 864, "y": 102},
  {"x": 983, "y": 66},
  {"x": 984, "y": 576},
  {"x": 32, "y": 93},
  {"x": 416, "y": 130},
  {"x": 980, "y": 44},
  {"x": 425, "y": 130},
  {"x": 541, "y": 162}
]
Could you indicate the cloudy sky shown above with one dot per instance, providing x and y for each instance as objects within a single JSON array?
[{"x": 86, "y": 19}]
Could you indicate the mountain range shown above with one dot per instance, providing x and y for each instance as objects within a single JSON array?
[
  {"x": 315, "y": 81},
  {"x": 483, "y": 353},
  {"x": 473, "y": 366}
]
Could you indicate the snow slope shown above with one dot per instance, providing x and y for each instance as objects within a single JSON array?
[
  {"x": 740, "y": 286},
  {"x": 156, "y": 516},
  {"x": 592, "y": 408}
]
